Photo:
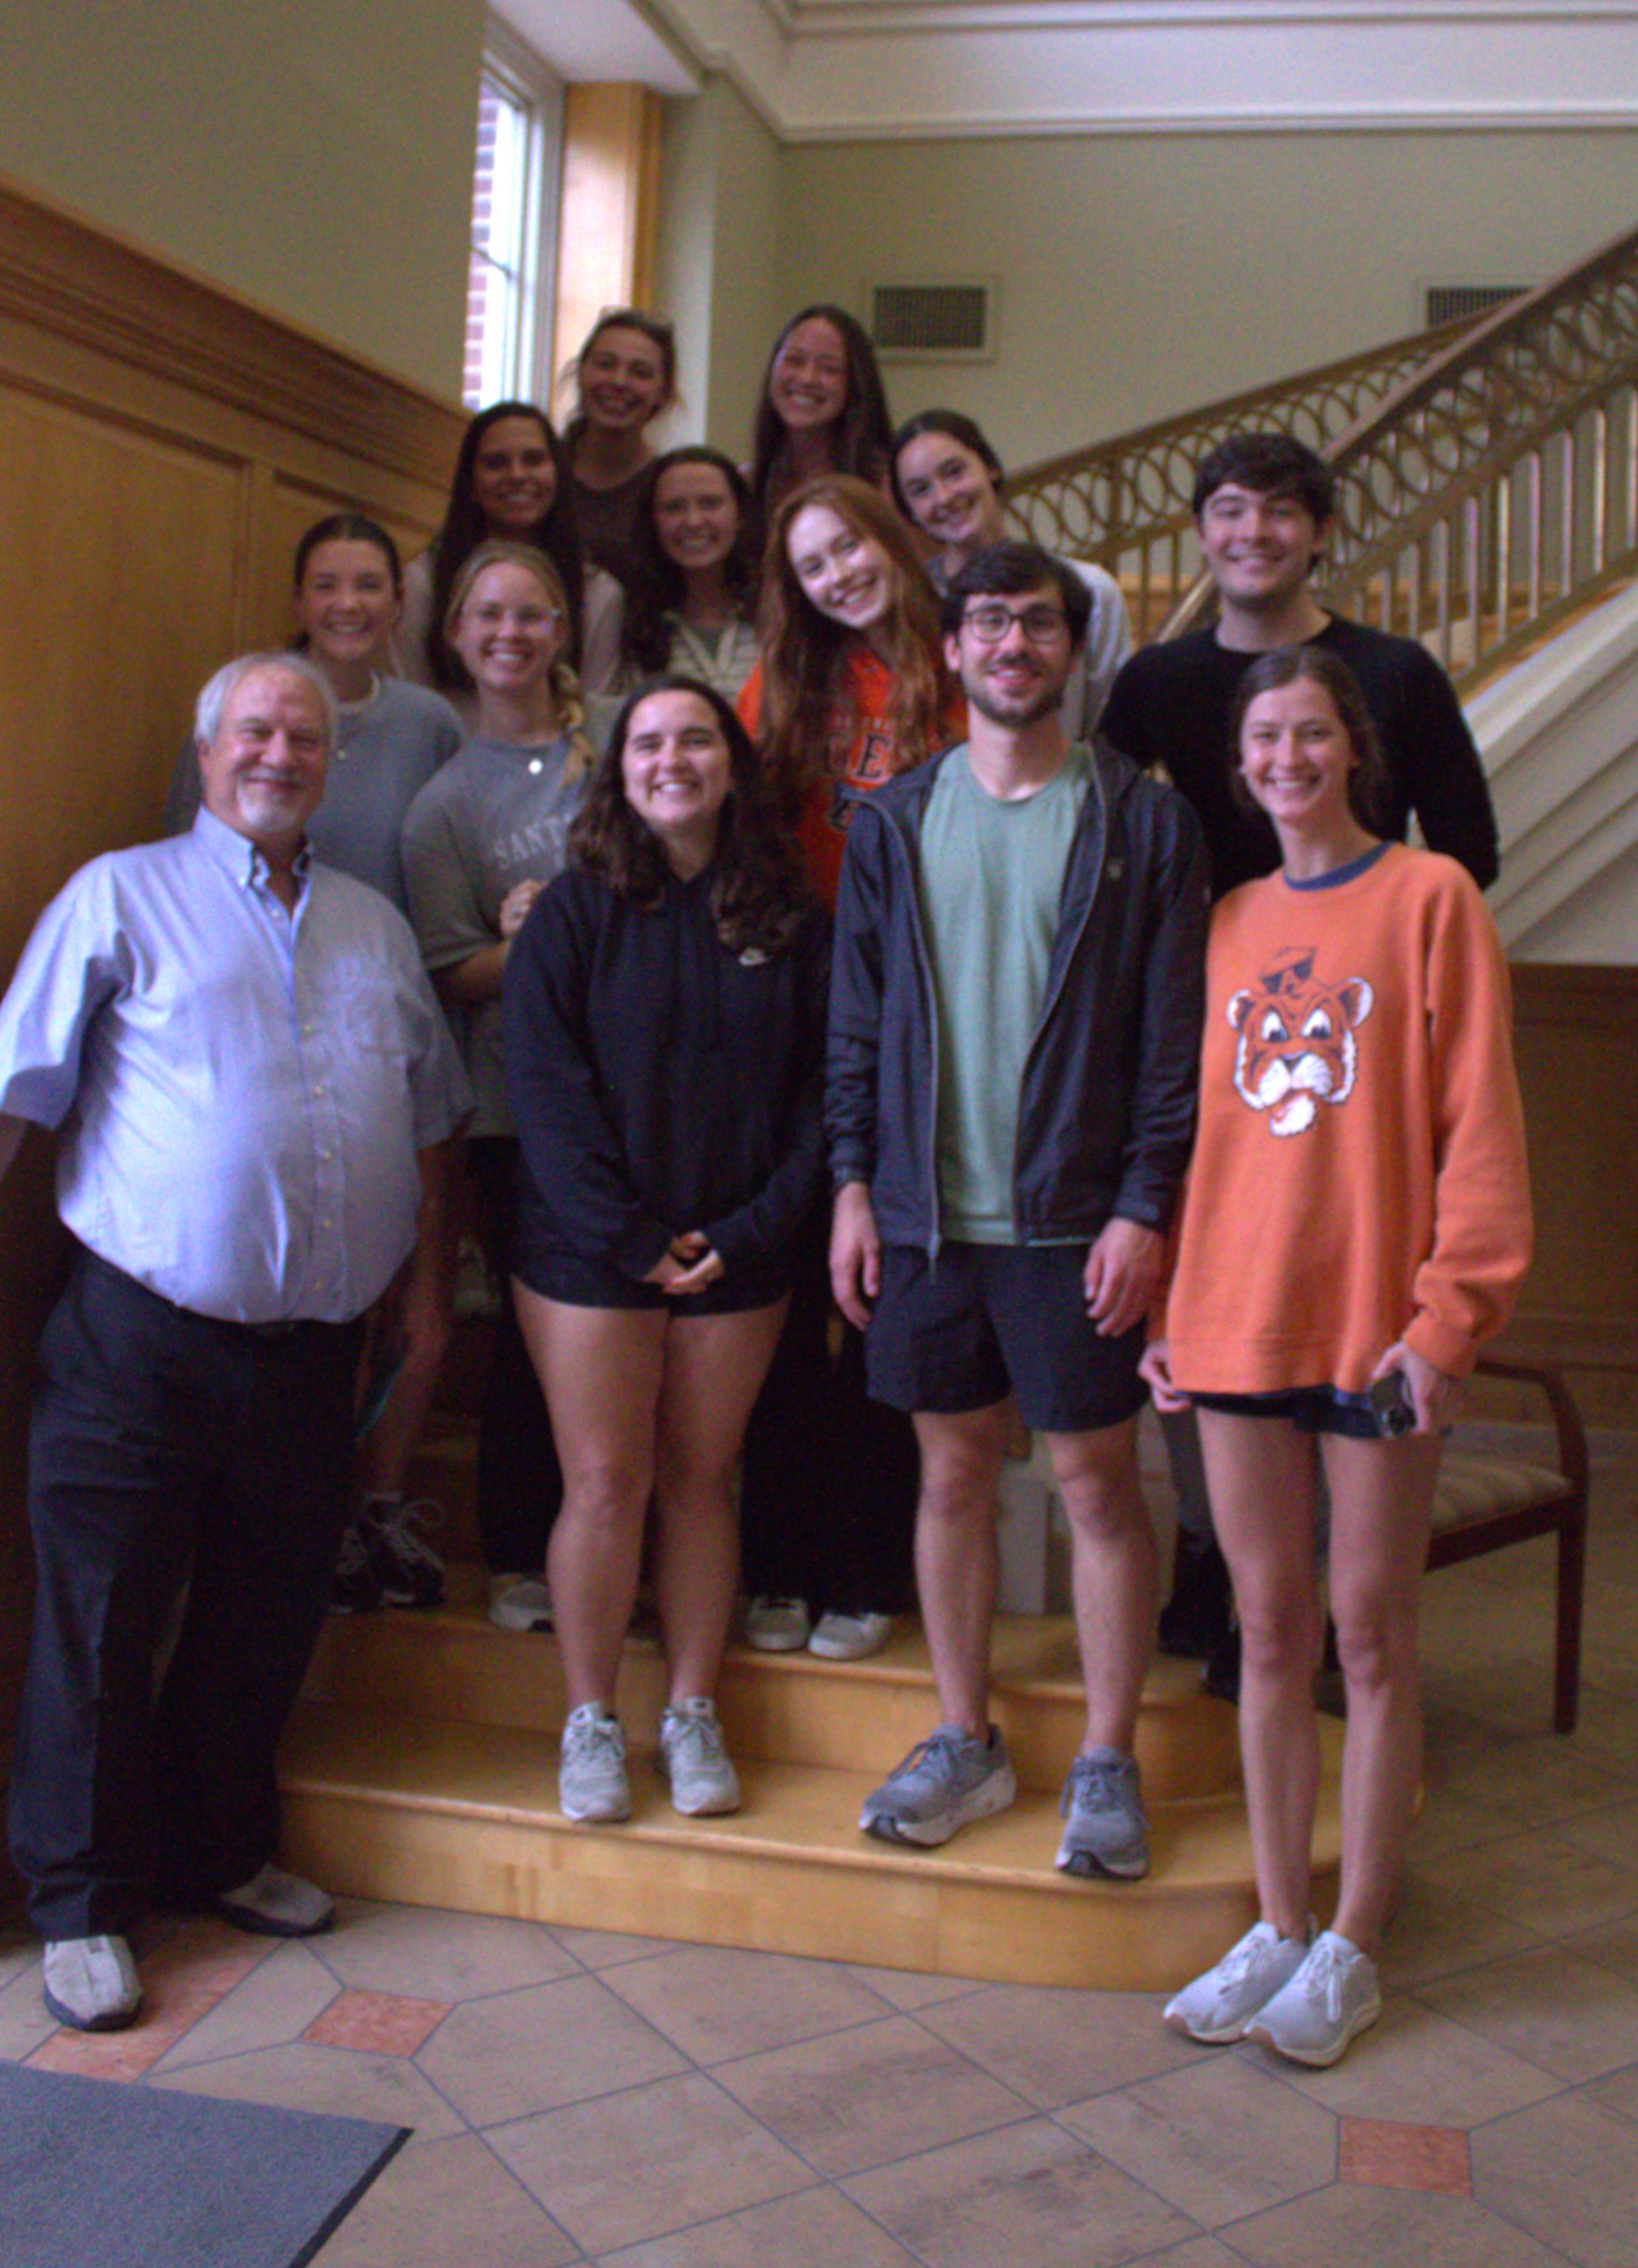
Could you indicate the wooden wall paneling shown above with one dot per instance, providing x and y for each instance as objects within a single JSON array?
[
  {"x": 608, "y": 210},
  {"x": 162, "y": 446},
  {"x": 1575, "y": 1035}
]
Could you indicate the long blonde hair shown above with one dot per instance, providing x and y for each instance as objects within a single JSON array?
[{"x": 569, "y": 706}]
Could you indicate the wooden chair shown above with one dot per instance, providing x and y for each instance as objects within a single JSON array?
[{"x": 1485, "y": 1502}]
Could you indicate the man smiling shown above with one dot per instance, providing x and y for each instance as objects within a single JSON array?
[
  {"x": 255, "y": 1086},
  {"x": 1014, "y": 1018}
]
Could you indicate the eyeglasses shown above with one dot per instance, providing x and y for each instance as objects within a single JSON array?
[{"x": 989, "y": 624}]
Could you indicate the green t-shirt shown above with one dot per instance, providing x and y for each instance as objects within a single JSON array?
[{"x": 991, "y": 889}]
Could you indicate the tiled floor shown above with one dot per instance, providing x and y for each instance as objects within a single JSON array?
[{"x": 582, "y": 2097}]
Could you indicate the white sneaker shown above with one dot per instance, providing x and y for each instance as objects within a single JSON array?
[
  {"x": 1218, "y": 2007},
  {"x": 520, "y": 1602},
  {"x": 850, "y": 1637},
  {"x": 946, "y": 1781},
  {"x": 591, "y": 1782},
  {"x": 90, "y": 1982},
  {"x": 1332, "y": 1998},
  {"x": 273, "y": 1903},
  {"x": 692, "y": 1756},
  {"x": 777, "y": 1625}
]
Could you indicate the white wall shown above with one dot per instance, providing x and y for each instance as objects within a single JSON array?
[
  {"x": 1140, "y": 276},
  {"x": 722, "y": 201},
  {"x": 316, "y": 158}
]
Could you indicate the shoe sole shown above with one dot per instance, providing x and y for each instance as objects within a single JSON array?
[
  {"x": 593, "y": 1814},
  {"x": 928, "y": 1834},
  {"x": 520, "y": 1625},
  {"x": 831, "y": 1653},
  {"x": 1224, "y": 2036},
  {"x": 715, "y": 1808},
  {"x": 1085, "y": 1867},
  {"x": 783, "y": 1642},
  {"x": 1315, "y": 2059},
  {"x": 256, "y": 1925},
  {"x": 114, "y": 2020}
]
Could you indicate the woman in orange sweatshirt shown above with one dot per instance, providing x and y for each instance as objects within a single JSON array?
[{"x": 1357, "y": 1222}]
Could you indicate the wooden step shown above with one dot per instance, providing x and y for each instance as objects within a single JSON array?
[
  {"x": 433, "y": 1813},
  {"x": 422, "y": 1767},
  {"x": 789, "y": 1708}
]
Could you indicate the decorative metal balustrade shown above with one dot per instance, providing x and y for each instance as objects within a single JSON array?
[
  {"x": 1494, "y": 492},
  {"x": 1124, "y": 502}
]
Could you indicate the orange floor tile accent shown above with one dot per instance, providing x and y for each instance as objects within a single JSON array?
[
  {"x": 186, "y": 1967},
  {"x": 1383, "y": 2155},
  {"x": 377, "y": 2023}
]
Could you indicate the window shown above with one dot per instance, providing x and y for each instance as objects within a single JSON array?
[{"x": 514, "y": 187}]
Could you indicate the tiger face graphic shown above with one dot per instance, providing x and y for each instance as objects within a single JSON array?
[{"x": 1297, "y": 1048}]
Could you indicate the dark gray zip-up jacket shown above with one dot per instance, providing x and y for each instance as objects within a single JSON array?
[{"x": 1106, "y": 1105}]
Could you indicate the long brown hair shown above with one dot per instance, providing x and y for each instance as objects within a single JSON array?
[
  {"x": 759, "y": 894},
  {"x": 568, "y": 701},
  {"x": 809, "y": 717}
]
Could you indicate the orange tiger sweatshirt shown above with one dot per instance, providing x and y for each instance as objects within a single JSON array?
[{"x": 1359, "y": 1174}]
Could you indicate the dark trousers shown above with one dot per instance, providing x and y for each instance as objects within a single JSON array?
[
  {"x": 519, "y": 1481},
  {"x": 830, "y": 1478},
  {"x": 184, "y": 1475}
]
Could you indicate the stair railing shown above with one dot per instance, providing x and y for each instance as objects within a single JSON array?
[
  {"x": 1124, "y": 503},
  {"x": 1494, "y": 492}
]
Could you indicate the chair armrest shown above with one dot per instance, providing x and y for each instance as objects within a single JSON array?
[{"x": 1565, "y": 1417}]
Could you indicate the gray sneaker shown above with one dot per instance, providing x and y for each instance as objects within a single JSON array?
[
  {"x": 692, "y": 1757},
  {"x": 947, "y": 1780},
  {"x": 90, "y": 1982},
  {"x": 591, "y": 1781},
  {"x": 1105, "y": 1830}
]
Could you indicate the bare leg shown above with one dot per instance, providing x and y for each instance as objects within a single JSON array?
[
  {"x": 714, "y": 1369},
  {"x": 1261, "y": 1472},
  {"x": 1381, "y": 1507},
  {"x": 601, "y": 1369},
  {"x": 955, "y": 1555},
  {"x": 1114, "y": 1569}
]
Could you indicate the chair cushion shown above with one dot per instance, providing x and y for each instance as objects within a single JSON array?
[{"x": 1479, "y": 1488}]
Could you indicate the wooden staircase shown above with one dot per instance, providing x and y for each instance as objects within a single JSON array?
[{"x": 422, "y": 1767}]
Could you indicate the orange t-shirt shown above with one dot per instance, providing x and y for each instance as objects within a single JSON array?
[{"x": 868, "y": 760}]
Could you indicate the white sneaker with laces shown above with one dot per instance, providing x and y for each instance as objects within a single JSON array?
[
  {"x": 777, "y": 1625},
  {"x": 1217, "y": 2006},
  {"x": 692, "y": 1756},
  {"x": 850, "y": 1637},
  {"x": 1332, "y": 1998},
  {"x": 591, "y": 1782}
]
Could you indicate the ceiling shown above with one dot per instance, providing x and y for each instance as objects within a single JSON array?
[{"x": 843, "y": 69}]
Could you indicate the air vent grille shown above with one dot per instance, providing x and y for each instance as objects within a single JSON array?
[
  {"x": 947, "y": 321},
  {"x": 1446, "y": 301}
]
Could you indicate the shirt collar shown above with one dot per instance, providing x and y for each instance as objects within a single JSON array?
[{"x": 238, "y": 857}]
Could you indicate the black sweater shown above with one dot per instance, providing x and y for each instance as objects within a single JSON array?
[
  {"x": 1170, "y": 705},
  {"x": 661, "y": 1083}
]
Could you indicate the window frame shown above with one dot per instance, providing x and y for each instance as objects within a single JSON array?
[{"x": 527, "y": 83}]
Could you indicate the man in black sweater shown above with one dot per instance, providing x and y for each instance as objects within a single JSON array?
[{"x": 1263, "y": 507}]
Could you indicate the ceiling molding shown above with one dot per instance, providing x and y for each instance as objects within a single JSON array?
[{"x": 920, "y": 70}]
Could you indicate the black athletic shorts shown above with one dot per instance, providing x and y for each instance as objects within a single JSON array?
[
  {"x": 1311, "y": 1409},
  {"x": 962, "y": 1332}
]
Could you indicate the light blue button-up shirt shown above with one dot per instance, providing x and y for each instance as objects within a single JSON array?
[{"x": 242, "y": 1091}]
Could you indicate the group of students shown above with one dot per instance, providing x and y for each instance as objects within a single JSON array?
[{"x": 655, "y": 689}]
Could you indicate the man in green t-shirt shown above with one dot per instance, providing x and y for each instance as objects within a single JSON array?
[{"x": 1015, "y": 1029}]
